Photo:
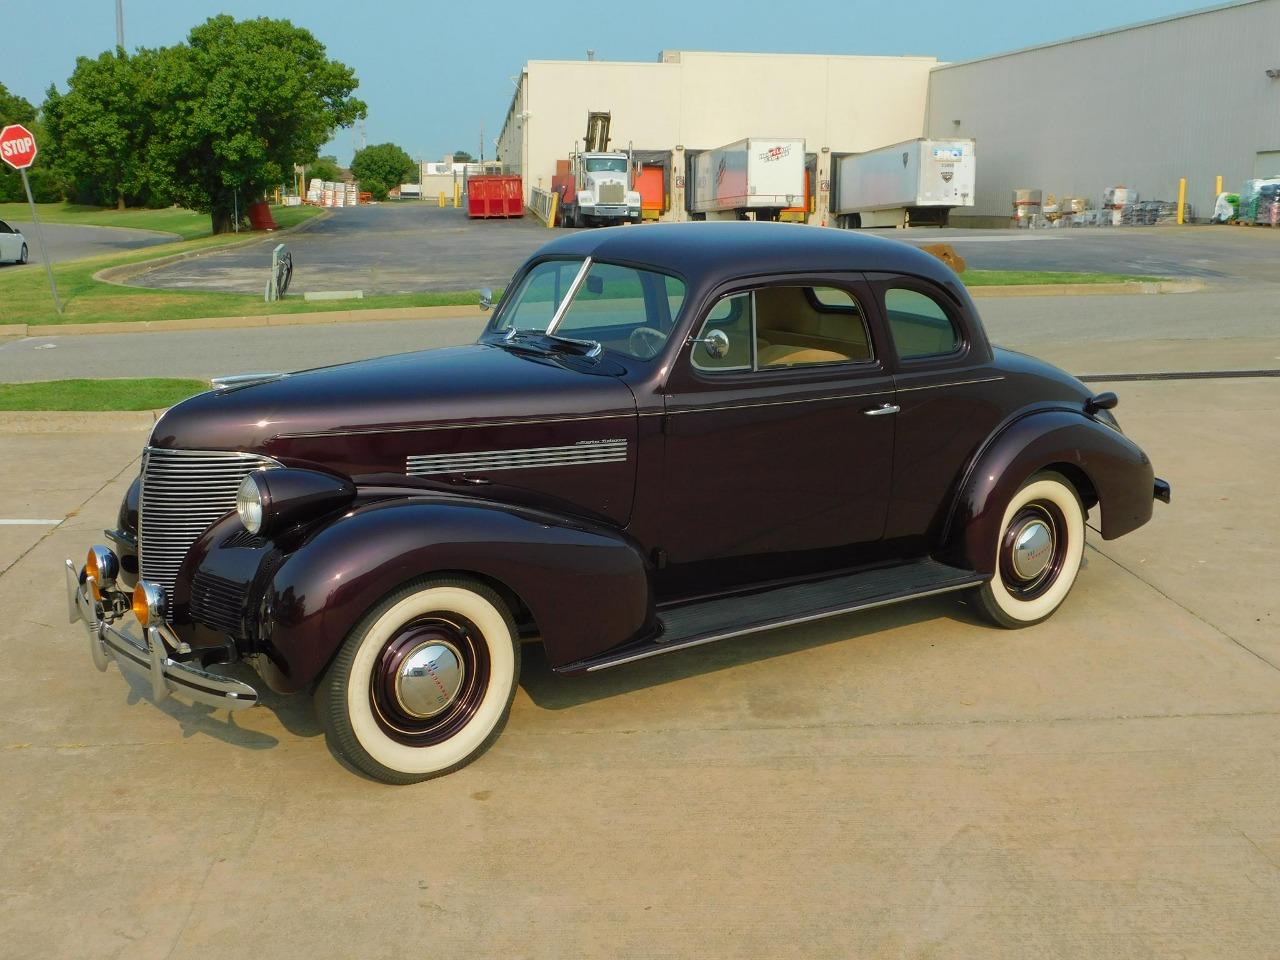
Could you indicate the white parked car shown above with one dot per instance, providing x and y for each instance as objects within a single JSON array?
[{"x": 13, "y": 245}]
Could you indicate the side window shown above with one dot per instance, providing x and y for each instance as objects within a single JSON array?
[
  {"x": 803, "y": 326},
  {"x": 731, "y": 317},
  {"x": 4, "y": 227},
  {"x": 920, "y": 327}
]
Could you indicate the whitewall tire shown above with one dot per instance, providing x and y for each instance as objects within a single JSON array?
[
  {"x": 423, "y": 684},
  {"x": 1038, "y": 554}
]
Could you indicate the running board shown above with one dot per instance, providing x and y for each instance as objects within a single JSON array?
[{"x": 694, "y": 624}]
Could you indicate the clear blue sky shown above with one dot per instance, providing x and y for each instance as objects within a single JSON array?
[{"x": 433, "y": 73}]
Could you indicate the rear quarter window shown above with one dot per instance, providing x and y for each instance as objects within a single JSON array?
[{"x": 919, "y": 325}]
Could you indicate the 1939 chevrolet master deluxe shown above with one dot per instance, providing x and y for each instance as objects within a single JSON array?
[{"x": 665, "y": 436}]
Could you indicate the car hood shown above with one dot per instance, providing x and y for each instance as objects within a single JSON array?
[{"x": 476, "y": 384}]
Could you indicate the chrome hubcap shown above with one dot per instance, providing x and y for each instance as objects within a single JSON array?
[
  {"x": 429, "y": 679},
  {"x": 1032, "y": 549}
]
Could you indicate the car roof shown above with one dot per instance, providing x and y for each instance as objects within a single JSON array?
[{"x": 721, "y": 250}]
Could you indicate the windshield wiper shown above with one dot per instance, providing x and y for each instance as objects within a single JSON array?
[{"x": 550, "y": 342}]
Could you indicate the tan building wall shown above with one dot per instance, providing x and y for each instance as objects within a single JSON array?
[
  {"x": 704, "y": 100},
  {"x": 1188, "y": 96}
]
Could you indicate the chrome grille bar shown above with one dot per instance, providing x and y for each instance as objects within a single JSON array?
[
  {"x": 184, "y": 493},
  {"x": 582, "y": 453}
]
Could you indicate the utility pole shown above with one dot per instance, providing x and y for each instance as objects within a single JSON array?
[
  {"x": 482, "y": 146},
  {"x": 120, "y": 24}
]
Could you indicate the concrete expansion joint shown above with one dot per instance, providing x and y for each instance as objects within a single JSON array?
[{"x": 1182, "y": 606}]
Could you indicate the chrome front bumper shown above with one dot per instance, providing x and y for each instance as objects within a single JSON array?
[{"x": 148, "y": 658}]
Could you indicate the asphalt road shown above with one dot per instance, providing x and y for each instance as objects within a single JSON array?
[
  {"x": 384, "y": 248},
  {"x": 396, "y": 248},
  {"x": 1235, "y": 328},
  {"x": 68, "y": 242},
  {"x": 907, "y": 782}
]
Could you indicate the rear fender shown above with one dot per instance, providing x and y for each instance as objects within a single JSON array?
[
  {"x": 1095, "y": 457},
  {"x": 586, "y": 586}
]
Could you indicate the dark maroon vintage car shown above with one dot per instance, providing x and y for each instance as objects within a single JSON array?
[{"x": 665, "y": 436}]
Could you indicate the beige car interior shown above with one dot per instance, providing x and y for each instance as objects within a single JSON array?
[{"x": 791, "y": 330}]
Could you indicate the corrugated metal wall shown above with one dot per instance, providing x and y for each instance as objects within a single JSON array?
[{"x": 1141, "y": 107}]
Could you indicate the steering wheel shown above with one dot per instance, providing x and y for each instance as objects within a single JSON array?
[{"x": 645, "y": 342}]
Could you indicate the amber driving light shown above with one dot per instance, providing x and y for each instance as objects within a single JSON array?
[
  {"x": 101, "y": 567},
  {"x": 148, "y": 602}
]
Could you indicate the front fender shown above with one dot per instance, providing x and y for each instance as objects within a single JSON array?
[
  {"x": 586, "y": 586},
  {"x": 1116, "y": 469}
]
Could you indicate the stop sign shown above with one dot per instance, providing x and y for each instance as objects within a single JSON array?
[{"x": 17, "y": 146}]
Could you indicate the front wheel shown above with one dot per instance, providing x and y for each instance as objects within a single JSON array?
[
  {"x": 1038, "y": 555},
  {"x": 22, "y": 257},
  {"x": 424, "y": 683}
]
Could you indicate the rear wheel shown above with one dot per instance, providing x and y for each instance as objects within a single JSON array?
[
  {"x": 1038, "y": 555},
  {"x": 424, "y": 683}
]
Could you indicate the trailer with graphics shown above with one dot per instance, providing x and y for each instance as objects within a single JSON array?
[
  {"x": 755, "y": 178},
  {"x": 915, "y": 182}
]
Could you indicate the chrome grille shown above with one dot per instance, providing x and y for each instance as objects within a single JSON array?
[
  {"x": 184, "y": 492},
  {"x": 613, "y": 192}
]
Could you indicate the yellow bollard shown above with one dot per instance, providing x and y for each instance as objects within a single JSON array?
[
  {"x": 457, "y": 195},
  {"x": 1217, "y": 189},
  {"x": 1182, "y": 201},
  {"x": 441, "y": 199}
]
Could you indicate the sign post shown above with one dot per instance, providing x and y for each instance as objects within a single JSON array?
[{"x": 18, "y": 149}]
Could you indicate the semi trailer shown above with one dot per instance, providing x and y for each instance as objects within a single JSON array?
[
  {"x": 757, "y": 177},
  {"x": 914, "y": 182}
]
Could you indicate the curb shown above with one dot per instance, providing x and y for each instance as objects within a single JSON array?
[
  {"x": 1128, "y": 288},
  {"x": 459, "y": 312},
  {"x": 116, "y": 276},
  {"x": 76, "y": 421}
]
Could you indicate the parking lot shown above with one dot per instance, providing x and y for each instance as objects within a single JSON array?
[{"x": 412, "y": 246}]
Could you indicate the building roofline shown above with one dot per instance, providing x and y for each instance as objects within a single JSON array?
[{"x": 1216, "y": 8}]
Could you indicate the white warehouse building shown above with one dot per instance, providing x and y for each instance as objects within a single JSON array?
[{"x": 1193, "y": 96}]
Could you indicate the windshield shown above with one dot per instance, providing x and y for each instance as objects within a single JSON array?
[
  {"x": 600, "y": 164},
  {"x": 628, "y": 311}
]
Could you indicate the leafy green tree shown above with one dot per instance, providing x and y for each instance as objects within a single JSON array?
[
  {"x": 46, "y": 185},
  {"x": 324, "y": 168},
  {"x": 381, "y": 167},
  {"x": 461, "y": 156},
  {"x": 103, "y": 124},
  {"x": 244, "y": 100}
]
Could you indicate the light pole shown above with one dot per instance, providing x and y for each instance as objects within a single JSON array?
[{"x": 120, "y": 24}]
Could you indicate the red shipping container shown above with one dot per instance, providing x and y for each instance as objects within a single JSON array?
[{"x": 495, "y": 195}]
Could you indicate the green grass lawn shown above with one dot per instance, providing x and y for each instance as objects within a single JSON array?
[
  {"x": 87, "y": 395},
  {"x": 24, "y": 291},
  {"x": 185, "y": 223},
  {"x": 1011, "y": 278}
]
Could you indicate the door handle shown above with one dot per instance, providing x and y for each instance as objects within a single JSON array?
[{"x": 882, "y": 410}]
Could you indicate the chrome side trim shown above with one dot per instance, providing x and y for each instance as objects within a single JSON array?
[
  {"x": 577, "y": 454},
  {"x": 658, "y": 649},
  {"x": 470, "y": 424},
  {"x": 953, "y": 383},
  {"x": 777, "y": 403}
]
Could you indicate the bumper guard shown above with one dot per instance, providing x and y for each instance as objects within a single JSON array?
[{"x": 148, "y": 658}]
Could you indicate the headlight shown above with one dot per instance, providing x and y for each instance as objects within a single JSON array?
[
  {"x": 273, "y": 500},
  {"x": 249, "y": 504}
]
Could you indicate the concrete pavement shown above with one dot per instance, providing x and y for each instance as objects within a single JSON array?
[
  {"x": 1235, "y": 328},
  {"x": 901, "y": 783}
]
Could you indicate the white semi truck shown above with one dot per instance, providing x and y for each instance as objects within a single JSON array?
[
  {"x": 753, "y": 177},
  {"x": 601, "y": 192},
  {"x": 914, "y": 182}
]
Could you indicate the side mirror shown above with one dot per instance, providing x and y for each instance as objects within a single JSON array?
[
  {"x": 486, "y": 298},
  {"x": 716, "y": 344}
]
